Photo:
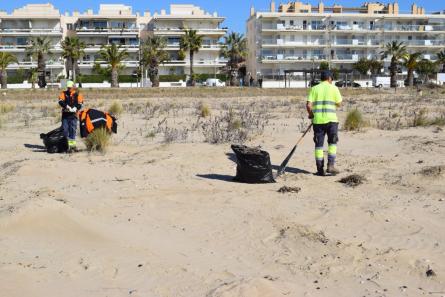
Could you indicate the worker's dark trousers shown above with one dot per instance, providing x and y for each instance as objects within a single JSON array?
[
  {"x": 320, "y": 131},
  {"x": 69, "y": 126}
]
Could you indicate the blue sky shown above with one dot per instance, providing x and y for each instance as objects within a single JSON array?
[{"x": 236, "y": 11}]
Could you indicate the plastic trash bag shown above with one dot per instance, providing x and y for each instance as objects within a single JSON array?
[
  {"x": 253, "y": 165},
  {"x": 55, "y": 141}
]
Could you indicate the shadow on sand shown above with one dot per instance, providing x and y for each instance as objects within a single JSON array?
[{"x": 35, "y": 148}]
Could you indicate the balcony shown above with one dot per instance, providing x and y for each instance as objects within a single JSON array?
[
  {"x": 91, "y": 63},
  {"x": 279, "y": 43},
  {"x": 355, "y": 42},
  {"x": 423, "y": 43},
  {"x": 180, "y": 31},
  {"x": 84, "y": 31},
  {"x": 413, "y": 28},
  {"x": 347, "y": 57},
  {"x": 20, "y": 48},
  {"x": 175, "y": 46},
  {"x": 30, "y": 32},
  {"x": 33, "y": 64},
  {"x": 97, "y": 47},
  {"x": 291, "y": 59}
]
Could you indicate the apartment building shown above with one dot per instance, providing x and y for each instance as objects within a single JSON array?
[
  {"x": 112, "y": 23},
  {"x": 173, "y": 25},
  {"x": 298, "y": 36},
  {"x": 23, "y": 24}
]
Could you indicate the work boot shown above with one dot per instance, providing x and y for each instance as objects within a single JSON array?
[
  {"x": 320, "y": 168},
  {"x": 332, "y": 170}
]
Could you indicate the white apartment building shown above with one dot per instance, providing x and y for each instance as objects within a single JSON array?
[
  {"x": 299, "y": 36},
  {"x": 17, "y": 28},
  {"x": 171, "y": 26},
  {"x": 112, "y": 23}
]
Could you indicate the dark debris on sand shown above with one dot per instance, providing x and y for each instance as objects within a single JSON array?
[
  {"x": 353, "y": 180},
  {"x": 286, "y": 189}
]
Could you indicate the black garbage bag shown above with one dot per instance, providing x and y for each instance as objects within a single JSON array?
[
  {"x": 55, "y": 141},
  {"x": 254, "y": 165}
]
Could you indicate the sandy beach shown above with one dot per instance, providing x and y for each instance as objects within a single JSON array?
[{"x": 159, "y": 215}]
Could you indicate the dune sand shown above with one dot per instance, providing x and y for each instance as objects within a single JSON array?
[{"x": 155, "y": 219}]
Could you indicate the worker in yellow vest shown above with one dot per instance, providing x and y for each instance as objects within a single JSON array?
[{"x": 322, "y": 104}]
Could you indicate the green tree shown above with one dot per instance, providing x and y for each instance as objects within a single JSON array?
[
  {"x": 191, "y": 42},
  {"x": 426, "y": 68},
  {"x": 362, "y": 66},
  {"x": 396, "y": 50},
  {"x": 375, "y": 66},
  {"x": 113, "y": 55},
  {"x": 73, "y": 50},
  {"x": 6, "y": 59},
  {"x": 324, "y": 65},
  {"x": 234, "y": 48},
  {"x": 441, "y": 60},
  {"x": 154, "y": 54},
  {"x": 410, "y": 62}
]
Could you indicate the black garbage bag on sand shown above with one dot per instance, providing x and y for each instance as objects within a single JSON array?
[
  {"x": 254, "y": 166},
  {"x": 55, "y": 141}
]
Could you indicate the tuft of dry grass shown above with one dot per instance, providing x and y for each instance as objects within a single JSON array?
[
  {"x": 116, "y": 108},
  {"x": 6, "y": 107},
  {"x": 204, "y": 110},
  {"x": 354, "y": 121},
  {"x": 421, "y": 118},
  {"x": 99, "y": 140}
]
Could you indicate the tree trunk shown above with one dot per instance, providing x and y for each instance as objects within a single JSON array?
[
  {"x": 192, "y": 76},
  {"x": 68, "y": 67},
  {"x": 154, "y": 76},
  {"x": 411, "y": 77},
  {"x": 393, "y": 74},
  {"x": 73, "y": 69},
  {"x": 233, "y": 75},
  {"x": 41, "y": 66},
  {"x": 114, "y": 78},
  {"x": 4, "y": 79}
]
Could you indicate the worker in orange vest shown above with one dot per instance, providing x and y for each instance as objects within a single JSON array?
[{"x": 71, "y": 102}]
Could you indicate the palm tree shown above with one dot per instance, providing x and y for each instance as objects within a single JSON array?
[
  {"x": 234, "y": 48},
  {"x": 410, "y": 62},
  {"x": 39, "y": 48},
  {"x": 191, "y": 42},
  {"x": 73, "y": 50},
  {"x": 441, "y": 59},
  {"x": 113, "y": 55},
  {"x": 397, "y": 50},
  {"x": 154, "y": 54},
  {"x": 6, "y": 59}
]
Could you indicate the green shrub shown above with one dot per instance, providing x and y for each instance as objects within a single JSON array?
[
  {"x": 354, "y": 121},
  {"x": 116, "y": 108},
  {"x": 15, "y": 79},
  {"x": 438, "y": 121},
  {"x": 172, "y": 77},
  {"x": 98, "y": 140}
]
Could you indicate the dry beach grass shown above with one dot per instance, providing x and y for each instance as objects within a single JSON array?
[{"x": 158, "y": 214}]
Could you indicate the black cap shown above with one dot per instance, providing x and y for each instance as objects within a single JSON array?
[{"x": 326, "y": 74}]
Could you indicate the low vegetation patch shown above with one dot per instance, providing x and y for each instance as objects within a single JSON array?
[
  {"x": 204, "y": 110},
  {"x": 354, "y": 121},
  {"x": 6, "y": 107},
  {"x": 98, "y": 140},
  {"x": 353, "y": 180},
  {"x": 420, "y": 118},
  {"x": 116, "y": 108},
  {"x": 433, "y": 171}
]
